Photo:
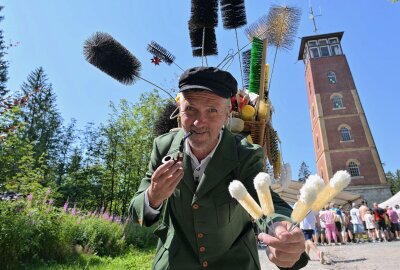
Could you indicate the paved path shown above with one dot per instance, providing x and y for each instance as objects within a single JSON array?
[{"x": 368, "y": 256}]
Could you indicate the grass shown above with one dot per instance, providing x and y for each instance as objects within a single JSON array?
[{"x": 133, "y": 259}]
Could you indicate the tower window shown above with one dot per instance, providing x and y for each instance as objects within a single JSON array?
[
  {"x": 333, "y": 40},
  {"x": 335, "y": 50},
  {"x": 331, "y": 77},
  {"x": 317, "y": 143},
  {"x": 322, "y": 42},
  {"x": 337, "y": 102},
  {"x": 314, "y": 52},
  {"x": 345, "y": 134},
  {"x": 354, "y": 169},
  {"x": 324, "y": 50}
]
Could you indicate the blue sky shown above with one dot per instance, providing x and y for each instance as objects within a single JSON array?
[{"x": 51, "y": 34}]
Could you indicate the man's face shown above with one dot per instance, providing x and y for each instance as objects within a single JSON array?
[{"x": 203, "y": 113}]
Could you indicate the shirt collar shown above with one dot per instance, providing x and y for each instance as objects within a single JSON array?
[{"x": 189, "y": 152}]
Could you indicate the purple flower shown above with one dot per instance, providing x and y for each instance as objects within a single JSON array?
[
  {"x": 73, "y": 211},
  {"x": 48, "y": 191},
  {"x": 29, "y": 197},
  {"x": 51, "y": 201},
  {"x": 65, "y": 207},
  {"x": 106, "y": 216}
]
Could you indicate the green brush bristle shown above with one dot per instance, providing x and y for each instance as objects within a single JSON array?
[{"x": 255, "y": 65}]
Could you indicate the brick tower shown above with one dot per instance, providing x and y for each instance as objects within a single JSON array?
[{"x": 342, "y": 137}]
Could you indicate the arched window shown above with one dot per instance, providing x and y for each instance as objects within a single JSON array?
[
  {"x": 337, "y": 102},
  {"x": 331, "y": 77},
  {"x": 345, "y": 134},
  {"x": 354, "y": 169}
]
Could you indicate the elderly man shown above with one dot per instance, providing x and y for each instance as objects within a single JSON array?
[{"x": 201, "y": 225}]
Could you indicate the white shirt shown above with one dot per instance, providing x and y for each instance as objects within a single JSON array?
[
  {"x": 198, "y": 168},
  {"x": 355, "y": 216},
  {"x": 309, "y": 221}
]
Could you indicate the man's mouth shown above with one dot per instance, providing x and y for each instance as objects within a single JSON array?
[{"x": 198, "y": 132}]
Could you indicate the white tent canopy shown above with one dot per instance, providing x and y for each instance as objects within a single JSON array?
[{"x": 395, "y": 199}]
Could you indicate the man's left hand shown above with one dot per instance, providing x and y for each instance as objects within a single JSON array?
[{"x": 284, "y": 248}]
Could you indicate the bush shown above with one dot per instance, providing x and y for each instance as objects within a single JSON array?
[
  {"x": 95, "y": 235},
  {"x": 29, "y": 234},
  {"x": 141, "y": 237}
]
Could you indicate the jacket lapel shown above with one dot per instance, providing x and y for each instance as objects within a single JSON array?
[{"x": 224, "y": 160}]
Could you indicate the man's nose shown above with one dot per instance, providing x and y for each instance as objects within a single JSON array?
[{"x": 201, "y": 119}]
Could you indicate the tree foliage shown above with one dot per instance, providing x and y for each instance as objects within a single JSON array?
[
  {"x": 394, "y": 181},
  {"x": 3, "y": 62},
  {"x": 304, "y": 172}
]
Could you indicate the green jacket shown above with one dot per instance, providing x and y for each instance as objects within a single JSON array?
[{"x": 206, "y": 227}]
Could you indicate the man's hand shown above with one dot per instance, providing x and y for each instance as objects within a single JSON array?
[
  {"x": 284, "y": 249},
  {"x": 164, "y": 181}
]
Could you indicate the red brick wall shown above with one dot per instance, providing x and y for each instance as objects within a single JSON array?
[
  {"x": 367, "y": 166},
  {"x": 317, "y": 82}
]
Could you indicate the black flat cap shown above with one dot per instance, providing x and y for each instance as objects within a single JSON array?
[{"x": 220, "y": 82}]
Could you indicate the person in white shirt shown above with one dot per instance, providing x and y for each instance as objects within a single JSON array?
[
  {"x": 308, "y": 228},
  {"x": 358, "y": 228},
  {"x": 370, "y": 224}
]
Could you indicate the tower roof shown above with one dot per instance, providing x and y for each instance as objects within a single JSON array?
[{"x": 305, "y": 39}]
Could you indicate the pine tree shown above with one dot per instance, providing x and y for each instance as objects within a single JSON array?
[
  {"x": 3, "y": 63},
  {"x": 304, "y": 172},
  {"x": 42, "y": 119}
]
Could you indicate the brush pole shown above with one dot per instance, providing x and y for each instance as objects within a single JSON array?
[
  {"x": 240, "y": 60},
  {"x": 202, "y": 46},
  {"x": 262, "y": 77},
  {"x": 155, "y": 85}
]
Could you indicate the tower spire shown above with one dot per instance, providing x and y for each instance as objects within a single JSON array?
[{"x": 312, "y": 17}]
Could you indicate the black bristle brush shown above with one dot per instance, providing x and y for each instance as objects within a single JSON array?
[
  {"x": 108, "y": 55},
  {"x": 164, "y": 123},
  {"x": 157, "y": 50},
  {"x": 233, "y": 13},
  {"x": 246, "y": 55},
  {"x": 196, "y": 40},
  {"x": 234, "y": 16},
  {"x": 111, "y": 57},
  {"x": 204, "y": 13}
]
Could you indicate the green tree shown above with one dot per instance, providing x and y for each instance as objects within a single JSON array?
[
  {"x": 43, "y": 121},
  {"x": 304, "y": 172},
  {"x": 18, "y": 169},
  {"x": 130, "y": 135},
  {"x": 394, "y": 181},
  {"x": 3, "y": 63}
]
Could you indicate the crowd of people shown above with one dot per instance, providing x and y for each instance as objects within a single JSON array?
[{"x": 335, "y": 225}]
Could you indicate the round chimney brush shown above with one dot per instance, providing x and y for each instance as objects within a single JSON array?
[
  {"x": 108, "y": 55},
  {"x": 164, "y": 123},
  {"x": 233, "y": 13},
  {"x": 111, "y": 57},
  {"x": 197, "y": 38},
  {"x": 204, "y": 13}
]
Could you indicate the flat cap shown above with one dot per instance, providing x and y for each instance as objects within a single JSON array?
[{"x": 218, "y": 81}]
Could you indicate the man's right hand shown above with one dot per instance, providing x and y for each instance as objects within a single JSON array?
[{"x": 164, "y": 181}]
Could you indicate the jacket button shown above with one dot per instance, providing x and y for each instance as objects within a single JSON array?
[
  {"x": 195, "y": 206},
  {"x": 205, "y": 264},
  {"x": 202, "y": 249},
  {"x": 200, "y": 235}
]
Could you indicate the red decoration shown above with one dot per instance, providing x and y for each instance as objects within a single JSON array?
[{"x": 155, "y": 60}]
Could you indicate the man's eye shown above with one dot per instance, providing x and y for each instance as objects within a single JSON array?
[{"x": 212, "y": 110}]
